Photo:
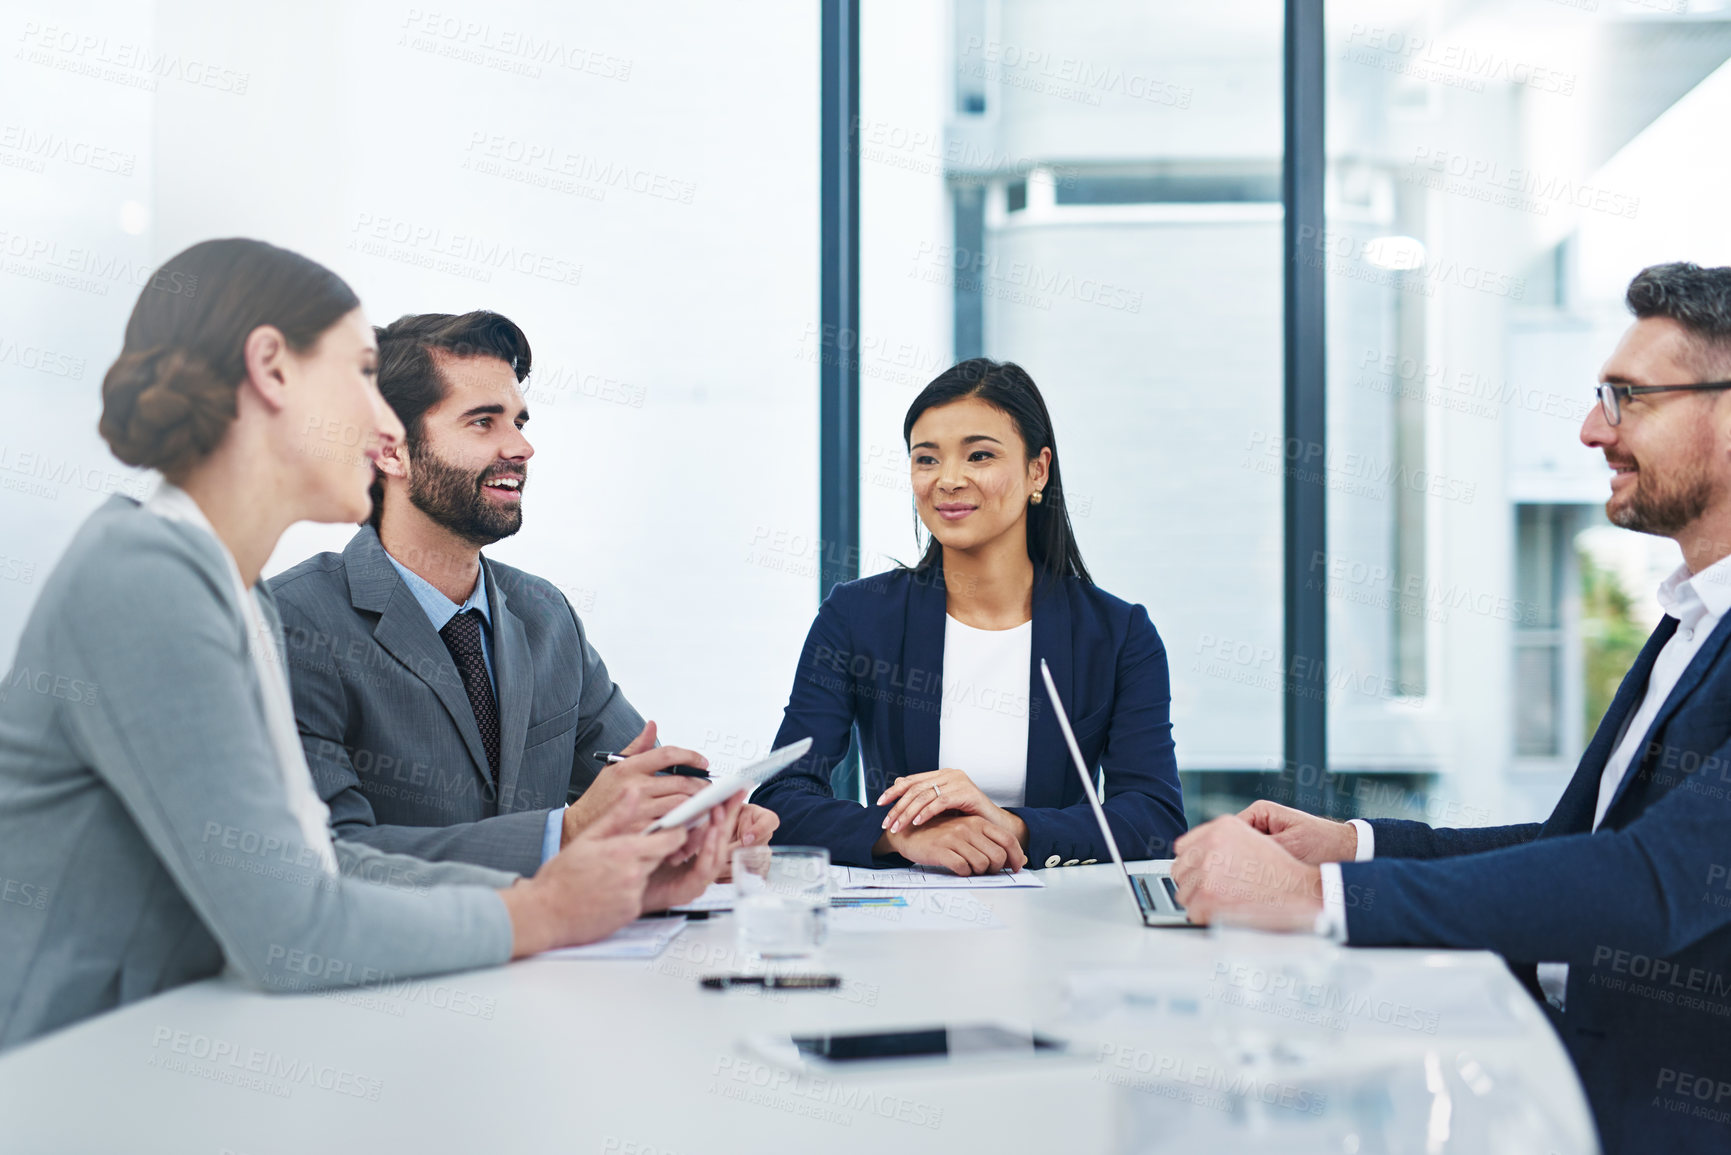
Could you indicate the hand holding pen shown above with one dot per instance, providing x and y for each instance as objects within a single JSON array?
[
  {"x": 608, "y": 758},
  {"x": 636, "y": 772}
]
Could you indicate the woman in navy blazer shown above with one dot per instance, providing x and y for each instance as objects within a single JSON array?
[{"x": 984, "y": 470}]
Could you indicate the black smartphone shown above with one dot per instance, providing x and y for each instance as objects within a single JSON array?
[{"x": 942, "y": 1044}]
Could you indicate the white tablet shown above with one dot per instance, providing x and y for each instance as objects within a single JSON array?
[{"x": 713, "y": 795}]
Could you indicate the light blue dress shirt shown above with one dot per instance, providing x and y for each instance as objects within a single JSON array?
[{"x": 440, "y": 610}]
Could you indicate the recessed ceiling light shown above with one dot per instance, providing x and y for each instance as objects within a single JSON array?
[{"x": 1401, "y": 254}]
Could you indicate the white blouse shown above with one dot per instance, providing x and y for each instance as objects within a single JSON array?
[
  {"x": 311, "y": 814},
  {"x": 983, "y": 728}
]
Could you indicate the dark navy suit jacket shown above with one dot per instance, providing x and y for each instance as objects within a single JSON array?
[
  {"x": 874, "y": 661},
  {"x": 1640, "y": 909}
]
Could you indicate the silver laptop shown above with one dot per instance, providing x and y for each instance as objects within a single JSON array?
[{"x": 1156, "y": 896}]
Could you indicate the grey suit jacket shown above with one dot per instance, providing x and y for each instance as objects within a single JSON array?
[
  {"x": 144, "y": 834},
  {"x": 389, "y": 732}
]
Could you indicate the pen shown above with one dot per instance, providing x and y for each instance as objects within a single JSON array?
[
  {"x": 773, "y": 982},
  {"x": 608, "y": 757}
]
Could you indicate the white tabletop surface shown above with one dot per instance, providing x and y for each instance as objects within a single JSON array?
[{"x": 631, "y": 1057}]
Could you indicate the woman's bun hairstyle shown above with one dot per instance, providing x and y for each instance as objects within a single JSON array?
[
  {"x": 169, "y": 398},
  {"x": 164, "y": 408}
]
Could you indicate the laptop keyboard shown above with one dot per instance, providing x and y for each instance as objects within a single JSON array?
[
  {"x": 1172, "y": 892},
  {"x": 1148, "y": 898}
]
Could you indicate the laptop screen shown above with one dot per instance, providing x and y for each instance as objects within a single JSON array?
[{"x": 1088, "y": 782}]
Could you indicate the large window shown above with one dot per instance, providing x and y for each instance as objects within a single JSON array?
[
  {"x": 1482, "y": 171},
  {"x": 1093, "y": 192}
]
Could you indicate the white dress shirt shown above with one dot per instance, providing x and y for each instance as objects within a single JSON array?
[
  {"x": 262, "y": 643},
  {"x": 983, "y": 730},
  {"x": 1697, "y": 601}
]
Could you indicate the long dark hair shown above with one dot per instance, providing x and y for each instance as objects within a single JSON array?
[{"x": 1006, "y": 386}]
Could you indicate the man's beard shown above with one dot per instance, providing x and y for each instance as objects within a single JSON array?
[
  {"x": 1665, "y": 504},
  {"x": 453, "y": 497}
]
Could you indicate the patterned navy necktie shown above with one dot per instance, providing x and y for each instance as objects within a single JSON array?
[{"x": 462, "y": 636}]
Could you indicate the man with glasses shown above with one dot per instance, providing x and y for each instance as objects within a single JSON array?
[
  {"x": 1611, "y": 394},
  {"x": 1616, "y": 910}
]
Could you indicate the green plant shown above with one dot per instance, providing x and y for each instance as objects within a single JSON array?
[{"x": 1611, "y": 638}]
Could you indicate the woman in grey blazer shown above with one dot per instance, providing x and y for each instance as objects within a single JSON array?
[{"x": 156, "y": 815}]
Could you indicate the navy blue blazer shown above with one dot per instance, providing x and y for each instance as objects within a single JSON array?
[
  {"x": 874, "y": 661},
  {"x": 1640, "y": 909}
]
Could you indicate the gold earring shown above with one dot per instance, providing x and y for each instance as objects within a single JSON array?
[{"x": 1035, "y": 498}]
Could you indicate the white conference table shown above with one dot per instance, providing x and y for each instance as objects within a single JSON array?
[{"x": 632, "y": 1058}]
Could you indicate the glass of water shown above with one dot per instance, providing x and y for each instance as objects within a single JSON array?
[{"x": 782, "y": 904}]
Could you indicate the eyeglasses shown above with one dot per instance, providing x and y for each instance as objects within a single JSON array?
[{"x": 1611, "y": 396}]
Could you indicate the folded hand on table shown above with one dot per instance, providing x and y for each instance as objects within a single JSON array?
[
  {"x": 919, "y": 798},
  {"x": 965, "y": 843},
  {"x": 1306, "y": 837},
  {"x": 1228, "y": 872}
]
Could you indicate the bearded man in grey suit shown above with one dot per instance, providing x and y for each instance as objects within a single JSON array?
[{"x": 452, "y": 707}]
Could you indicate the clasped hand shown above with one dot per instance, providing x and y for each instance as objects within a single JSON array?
[
  {"x": 941, "y": 818},
  {"x": 1260, "y": 867}
]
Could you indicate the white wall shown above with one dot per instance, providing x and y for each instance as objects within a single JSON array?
[{"x": 653, "y": 168}]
